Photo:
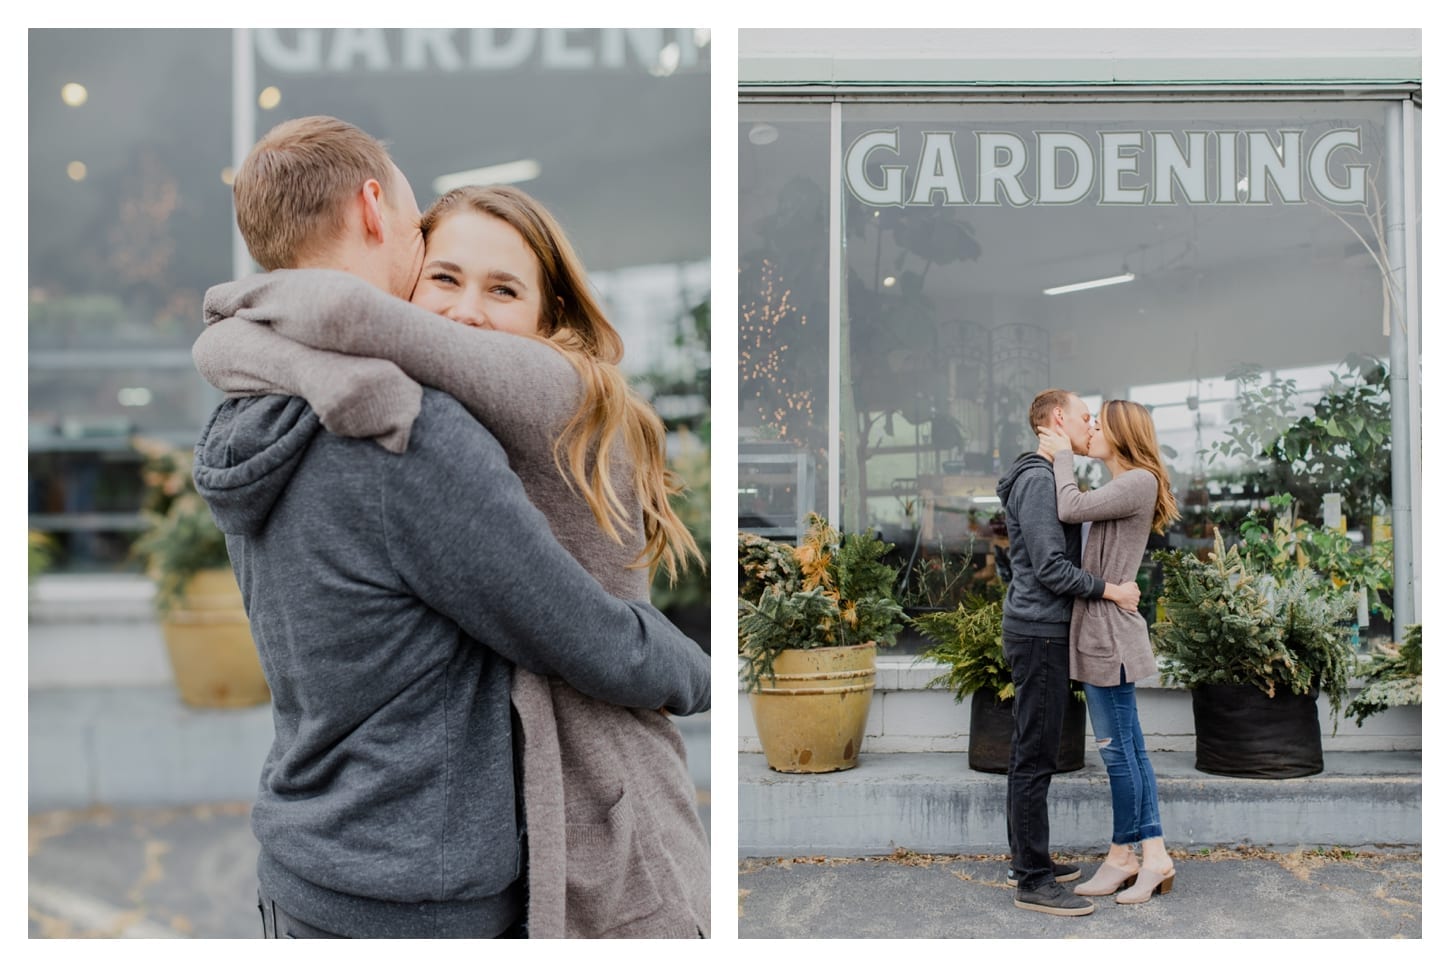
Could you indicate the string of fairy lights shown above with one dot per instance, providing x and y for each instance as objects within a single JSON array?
[{"x": 786, "y": 411}]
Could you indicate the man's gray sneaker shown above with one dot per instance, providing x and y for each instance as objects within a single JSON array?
[
  {"x": 1053, "y": 898},
  {"x": 1062, "y": 872}
]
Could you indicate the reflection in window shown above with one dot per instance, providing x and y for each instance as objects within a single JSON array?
[
  {"x": 783, "y": 323},
  {"x": 1241, "y": 315}
]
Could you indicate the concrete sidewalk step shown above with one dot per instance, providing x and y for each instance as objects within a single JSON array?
[
  {"x": 934, "y": 803},
  {"x": 141, "y": 746}
]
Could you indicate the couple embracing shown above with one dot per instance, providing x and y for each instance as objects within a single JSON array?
[
  {"x": 1070, "y": 614},
  {"x": 443, "y": 504}
]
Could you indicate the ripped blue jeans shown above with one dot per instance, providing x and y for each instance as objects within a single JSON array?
[{"x": 1114, "y": 714}]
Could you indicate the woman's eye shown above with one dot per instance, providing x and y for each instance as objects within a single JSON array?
[
  {"x": 444, "y": 278},
  {"x": 505, "y": 291}
]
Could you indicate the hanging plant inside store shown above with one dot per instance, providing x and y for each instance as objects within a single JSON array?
[
  {"x": 810, "y": 619},
  {"x": 968, "y": 641},
  {"x": 1255, "y": 647},
  {"x": 208, "y": 641}
]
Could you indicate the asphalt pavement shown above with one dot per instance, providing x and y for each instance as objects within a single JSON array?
[
  {"x": 190, "y": 872},
  {"x": 1217, "y": 893},
  {"x": 186, "y": 871}
]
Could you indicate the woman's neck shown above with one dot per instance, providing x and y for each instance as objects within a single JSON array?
[{"x": 1115, "y": 465}]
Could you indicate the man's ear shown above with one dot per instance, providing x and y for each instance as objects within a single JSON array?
[{"x": 370, "y": 198}]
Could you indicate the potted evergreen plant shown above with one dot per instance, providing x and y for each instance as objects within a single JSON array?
[
  {"x": 1255, "y": 646},
  {"x": 1393, "y": 676},
  {"x": 968, "y": 641},
  {"x": 811, "y": 618},
  {"x": 203, "y": 623}
]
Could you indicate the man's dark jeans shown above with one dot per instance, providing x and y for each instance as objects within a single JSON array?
[{"x": 1039, "y": 675}]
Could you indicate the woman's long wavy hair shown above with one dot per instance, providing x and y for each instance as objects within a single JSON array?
[
  {"x": 611, "y": 414},
  {"x": 1128, "y": 429}
]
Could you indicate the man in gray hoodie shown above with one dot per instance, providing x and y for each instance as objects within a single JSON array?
[
  {"x": 390, "y": 594},
  {"x": 1045, "y": 576}
]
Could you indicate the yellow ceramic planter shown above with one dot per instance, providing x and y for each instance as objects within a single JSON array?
[
  {"x": 210, "y": 645},
  {"x": 812, "y": 717}
]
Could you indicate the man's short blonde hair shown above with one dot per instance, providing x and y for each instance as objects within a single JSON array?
[
  {"x": 1040, "y": 412},
  {"x": 290, "y": 190}
]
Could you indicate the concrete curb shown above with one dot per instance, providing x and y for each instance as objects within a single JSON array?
[{"x": 933, "y": 803}]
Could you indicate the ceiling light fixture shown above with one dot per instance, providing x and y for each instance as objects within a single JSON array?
[
  {"x": 1090, "y": 284},
  {"x": 505, "y": 174},
  {"x": 763, "y": 134}
]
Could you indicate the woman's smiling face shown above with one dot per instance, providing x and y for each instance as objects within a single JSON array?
[{"x": 478, "y": 270}]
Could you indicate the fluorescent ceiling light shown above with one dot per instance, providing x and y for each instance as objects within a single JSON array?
[
  {"x": 505, "y": 174},
  {"x": 1090, "y": 284}
]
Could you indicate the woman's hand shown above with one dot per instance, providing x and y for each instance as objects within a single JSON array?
[{"x": 1051, "y": 441}]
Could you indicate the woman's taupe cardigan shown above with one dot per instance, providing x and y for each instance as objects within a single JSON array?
[
  {"x": 616, "y": 845},
  {"x": 1106, "y": 640}
]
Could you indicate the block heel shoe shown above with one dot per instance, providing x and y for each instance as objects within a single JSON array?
[
  {"x": 1148, "y": 884},
  {"x": 1107, "y": 880}
]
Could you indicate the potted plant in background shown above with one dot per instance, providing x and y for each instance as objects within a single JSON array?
[
  {"x": 40, "y": 556},
  {"x": 1393, "y": 676},
  {"x": 203, "y": 623},
  {"x": 810, "y": 619},
  {"x": 968, "y": 641},
  {"x": 1255, "y": 646}
]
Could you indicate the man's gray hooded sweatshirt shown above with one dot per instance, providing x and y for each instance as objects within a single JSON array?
[
  {"x": 1045, "y": 554},
  {"x": 387, "y": 594}
]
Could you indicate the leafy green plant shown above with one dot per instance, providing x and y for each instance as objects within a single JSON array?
[
  {"x": 1394, "y": 676},
  {"x": 1228, "y": 621},
  {"x": 1342, "y": 446},
  {"x": 182, "y": 539},
  {"x": 968, "y": 640},
  {"x": 1280, "y": 547},
  {"x": 830, "y": 590}
]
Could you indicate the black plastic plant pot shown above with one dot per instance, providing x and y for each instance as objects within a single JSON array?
[
  {"x": 1244, "y": 733},
  {"x": 989, "y": 744}
]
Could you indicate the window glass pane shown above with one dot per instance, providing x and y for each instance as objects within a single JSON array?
[
  {"x": 131, "y": 215},
  {"x": 1222, "y": 259},
  {"x": 783, "y": 359}
]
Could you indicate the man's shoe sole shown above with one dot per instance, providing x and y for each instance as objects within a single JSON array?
[{"x": 1056, "y": 911}]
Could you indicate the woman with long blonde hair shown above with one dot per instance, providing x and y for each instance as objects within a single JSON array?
[
  {"x": 1109, "y": 648},
  {"x": 502, "y": 319}
]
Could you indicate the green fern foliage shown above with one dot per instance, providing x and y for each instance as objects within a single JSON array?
[{"x": 968, "y": 641}]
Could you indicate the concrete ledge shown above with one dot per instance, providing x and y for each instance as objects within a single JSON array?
[
  {"x": 140, "y": 746},
  {"x": 933, "y": 803},
  {"x": 908, "y": 716}
]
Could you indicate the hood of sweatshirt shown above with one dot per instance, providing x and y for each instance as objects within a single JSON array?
[
  {"x": 247, "y": 455},
  {"x": 1020, "y": 466}
]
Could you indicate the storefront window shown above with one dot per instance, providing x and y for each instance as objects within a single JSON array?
[
  {"x": 131, "y": 147},
  {"x": 1217, "y": 261}
]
